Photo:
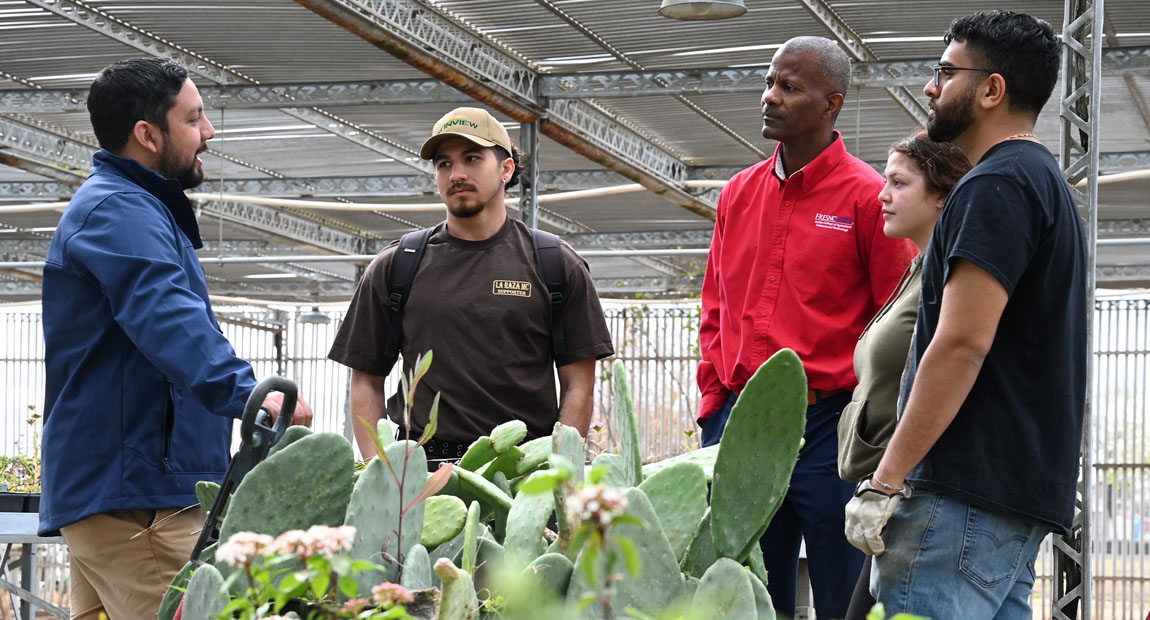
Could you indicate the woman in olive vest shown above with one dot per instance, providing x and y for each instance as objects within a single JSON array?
[{"x": 919, "y": 175}]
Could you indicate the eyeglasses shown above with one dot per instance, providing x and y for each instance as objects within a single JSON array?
[{"x": 940, "y": 68}]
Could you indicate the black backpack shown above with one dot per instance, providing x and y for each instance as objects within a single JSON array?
[{"x": 548, "y": 256}]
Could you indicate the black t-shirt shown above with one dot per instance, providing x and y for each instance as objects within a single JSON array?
[
  {"x": 1014, "y": 446},
  {"x": 483, "y": 308}
]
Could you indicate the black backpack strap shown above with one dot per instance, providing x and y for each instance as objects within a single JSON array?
[
  {"x": 404, "y": 264},
  {"x": 549, "y": 257}
]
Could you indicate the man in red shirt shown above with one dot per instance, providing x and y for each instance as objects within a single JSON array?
[{"x": 799, "y": 260}]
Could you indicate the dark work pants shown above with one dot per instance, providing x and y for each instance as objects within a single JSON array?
[{"x": 813, "y": 507}]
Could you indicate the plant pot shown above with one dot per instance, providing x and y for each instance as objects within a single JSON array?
[{"x": 19, "y": 502}]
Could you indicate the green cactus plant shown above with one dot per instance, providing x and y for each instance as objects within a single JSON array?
[
  {"x": 508, "y": 434},
  {"x": 535, "y": 453},
  {"x": 291, "y": 435},
  {"x": 679, "y": 495},
  {"x": 479, "y": 453},
  {"x": 175, "y": 592},
  {"x": 307, "y": 483},
  {"x": 703, "y": 457},
  {"x": 457, "y": 600},
  {"x": 616, "y": 469},
  {"x": 443, "y": 519},
  {"x": 725, "y": 591},
  {"x": 770, "y": 411},
  {"x": 525, "y": 524},
  {"x": 207, "y": 595},
  {"x": 628, "y": 426},
  {"x": 206, "y": 492},
  {"x": 375, "y": 509},
  {"x": 416, "y": 569},
  {"x": 470, "y": 534},
  {"x": 550, "y": 571},
  {"x": 700, "y": 554}
]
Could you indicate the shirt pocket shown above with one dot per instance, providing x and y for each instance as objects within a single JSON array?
[{"x": 825, "y": 261}]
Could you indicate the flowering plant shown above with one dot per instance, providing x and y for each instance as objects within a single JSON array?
[
  {"x": 21, "y": 474},
  {"x": 309, "y": 568}
]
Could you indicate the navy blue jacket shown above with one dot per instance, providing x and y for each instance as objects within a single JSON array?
[{"x": 142, "y": 386}]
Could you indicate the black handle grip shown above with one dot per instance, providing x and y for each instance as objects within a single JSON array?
[{"x": 256, "y": 399}]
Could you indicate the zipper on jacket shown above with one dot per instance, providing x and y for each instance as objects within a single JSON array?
[{"x": 169, "y": 426}]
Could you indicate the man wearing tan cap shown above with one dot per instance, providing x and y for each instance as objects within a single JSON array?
[{"x": 480, "y": 301}]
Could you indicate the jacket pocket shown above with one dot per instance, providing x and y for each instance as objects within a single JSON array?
[
  {"x": 858, "y": 456},
  {"x": 168, "y": 428}
]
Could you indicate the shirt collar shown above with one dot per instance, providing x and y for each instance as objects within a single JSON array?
[
  {"x": 818, "y": 167},
  {"x": 168, "y": 191}
]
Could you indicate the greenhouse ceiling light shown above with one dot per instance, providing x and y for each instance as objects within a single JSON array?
[{"x": 700, "y": 10}]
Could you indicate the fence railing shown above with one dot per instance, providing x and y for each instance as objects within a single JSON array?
[{"x": 658, "y": 344}]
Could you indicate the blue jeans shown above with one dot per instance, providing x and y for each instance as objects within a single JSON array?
[
  {"x": 812, "y": 509},
  {"x": 948, "y": 559}
]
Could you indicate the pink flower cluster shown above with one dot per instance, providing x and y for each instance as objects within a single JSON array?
[
  {"x": 596, "y": 504},
  {"x": 392, "y": 593},
  {"x": 244, "y": 547}
]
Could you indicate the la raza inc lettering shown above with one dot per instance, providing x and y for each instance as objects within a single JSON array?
[
  {"x": 834, "y": 222},
  {"x": 514, "y": 288}
]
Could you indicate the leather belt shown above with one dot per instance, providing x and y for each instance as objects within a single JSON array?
[{"x": 814, "y": 396}]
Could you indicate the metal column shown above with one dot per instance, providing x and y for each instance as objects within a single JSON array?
[
  {"x": 1082, "y": 37},
  {"x": 529, "y": 180}
]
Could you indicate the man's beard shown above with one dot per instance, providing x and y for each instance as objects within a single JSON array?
[
  {"x": 951, "y": 121},
  {"x": 170, "y": 166}
]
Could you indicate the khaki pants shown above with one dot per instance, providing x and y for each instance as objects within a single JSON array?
[{"x": 123, "y": 561}]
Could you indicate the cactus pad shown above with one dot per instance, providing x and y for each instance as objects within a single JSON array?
[
  {"x": 443, "y": 519},
  {"x": 679, "y": 496}
]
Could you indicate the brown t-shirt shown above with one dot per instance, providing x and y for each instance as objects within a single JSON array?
[{"x": 484, "y": 309}]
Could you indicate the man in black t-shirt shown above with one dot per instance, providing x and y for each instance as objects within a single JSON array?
[
  {"x": 994, "y": 396},
  {"x": 480, "y": 302}
]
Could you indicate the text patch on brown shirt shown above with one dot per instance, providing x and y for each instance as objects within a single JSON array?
[{"x": 511, "y": 287}]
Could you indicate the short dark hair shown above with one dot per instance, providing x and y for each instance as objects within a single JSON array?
[
  {"x": 129, "y": 91},
  {"x": 515, "y": 155},
  {"x": 1022, "y": 49},
  {"x": 941, "y": 164}
]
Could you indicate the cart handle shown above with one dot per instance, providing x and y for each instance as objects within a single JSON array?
[{"x": 253, "y": 410}]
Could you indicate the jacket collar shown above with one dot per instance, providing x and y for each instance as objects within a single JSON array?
[{"x": 168, "y": 191}]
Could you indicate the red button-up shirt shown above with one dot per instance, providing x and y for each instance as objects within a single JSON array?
[{"x": 800, "y": 263}]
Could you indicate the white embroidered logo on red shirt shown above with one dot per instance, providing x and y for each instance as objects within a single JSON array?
[{"x": 834, "y": 222}]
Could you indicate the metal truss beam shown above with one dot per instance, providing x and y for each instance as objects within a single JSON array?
[
  {"x": 66, "y": 155},
  {"x": 854, "y": 46},
  {"x": 280, "y": 222},
  {"x": 469, "y": 62},
  {"x": 104, "y": 23},
  {"x": 1080, "y": 133},
  {"x": 910, "y": 73},
  {"x": 699, "y": 238}
]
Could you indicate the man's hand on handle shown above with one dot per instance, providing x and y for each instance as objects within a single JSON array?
[{"x": 302, "y": 416}]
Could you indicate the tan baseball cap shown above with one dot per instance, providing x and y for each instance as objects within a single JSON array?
[{"x": 474, "y": 124}]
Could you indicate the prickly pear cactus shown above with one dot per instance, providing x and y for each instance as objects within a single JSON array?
[
  {"x": 206, "y": 492},
  {"x": 305, "y": 484},
  {"x": 763, "y": 604},
  {"x": 659, "y": 583},
  {"x": 535, "y": 453},
  {"x": 771, "y": 411},
  {"x": 616, "y": 466},
  {"x": 207, "y": 596},
  {"x": 290, "y": 436},
  {"x": 701, "y": 552},
  {"x": 525, "y": 524},
  {"x": 703, "y": 457},
  {"x": 470, "y": 536},
  {"x": 174, "y": 594},
  {"x": 478, "y": 454},
  {"x": 725, "y": 592},
  {"x": 679, "y": 496},
  {"x": 416, "y": 569},
  {"x": 443, "y": 519},
  {"x": 508, "y": 434},
  {"x": 628, "y": 426},
  {"x": 567, "y": 443},
  {"x": 458, "y": 600},
  {"x": 550, "y": 571},
  {"x": 375, "y": 506}
]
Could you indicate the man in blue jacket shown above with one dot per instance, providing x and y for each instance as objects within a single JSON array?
[{"x": 142, "y": 387}]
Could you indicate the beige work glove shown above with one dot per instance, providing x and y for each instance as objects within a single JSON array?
[{"x": 867, "y": 514}]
